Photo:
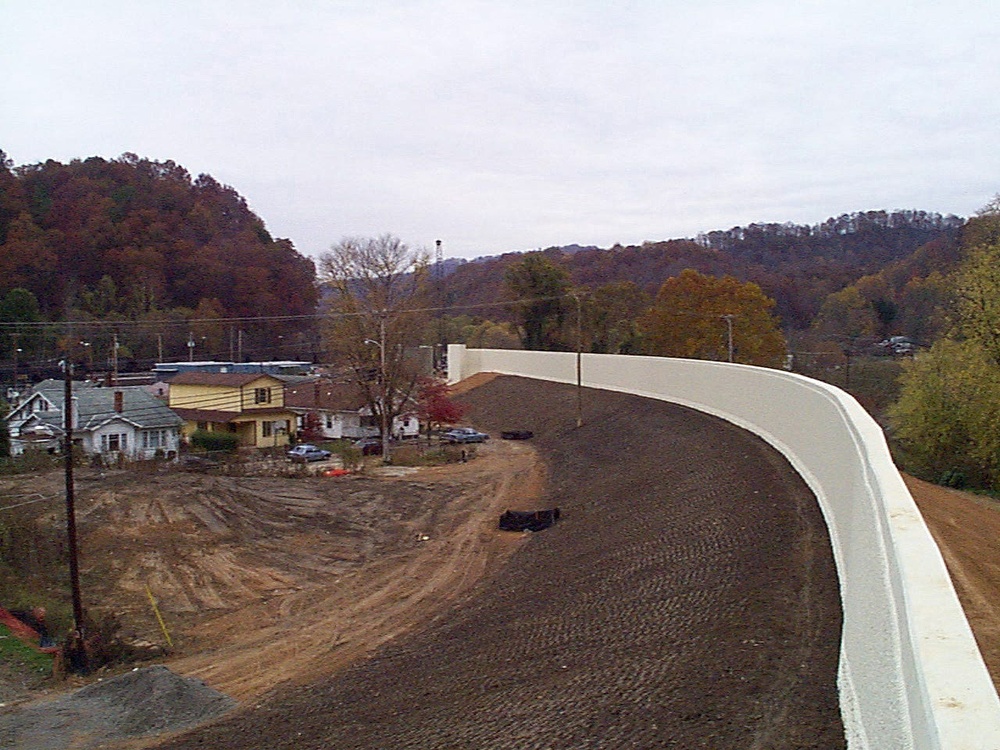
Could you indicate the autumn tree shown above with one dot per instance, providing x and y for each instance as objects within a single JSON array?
[
  {"x": 692, "y": 314},
  {"x": 18, "y": 311},
  {"x": 377, "y": 290},
  {"x": 944, "y": 422},
  {"x": 945, "y": 418},
  {"x": 610, "y": 318},
  {"x": 435, "y": 405},
  {"x": 848, "y": 318},
  {"x": 538, "y": 289}
]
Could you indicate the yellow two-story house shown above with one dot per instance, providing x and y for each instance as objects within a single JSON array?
[{"x": 250, "y": 405}]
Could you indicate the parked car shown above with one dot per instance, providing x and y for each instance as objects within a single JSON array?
[
  {"x": 464, "y": 435},
  {"x": 369, "y": 446},
  {"x": 306, "y": 452}
]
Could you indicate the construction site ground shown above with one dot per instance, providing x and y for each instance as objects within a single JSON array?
[{"x": 687, "y": 597}]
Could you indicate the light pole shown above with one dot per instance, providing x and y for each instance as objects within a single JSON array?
[
  {"x": 384, "y": 389},
  {"x": 190, "y": 347},
  {"x": 579, "y": 360},
  {"x": 729, "y": 327},
  {"x": 90, "y": 355},
  {"x": 17, "y": 351}
]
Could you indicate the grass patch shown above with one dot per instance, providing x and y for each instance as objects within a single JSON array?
[
  {"x": 423, "y": 454},
  {"x": 20, "y": 654}
]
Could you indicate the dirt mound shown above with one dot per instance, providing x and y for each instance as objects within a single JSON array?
[{"x": 140, "y": 703}]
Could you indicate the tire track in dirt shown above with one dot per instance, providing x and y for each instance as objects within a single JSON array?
[{"x": 315, "y": 632}]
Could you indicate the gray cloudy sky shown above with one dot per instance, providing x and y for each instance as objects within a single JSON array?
[{"x": 510, "y": 125}]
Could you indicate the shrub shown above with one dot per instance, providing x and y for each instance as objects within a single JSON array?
[
  {"x": 212, "y": 442},
  {"x": 350, "y": 457}
]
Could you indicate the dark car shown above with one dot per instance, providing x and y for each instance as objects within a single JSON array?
[
  {"x": 306, "y": 452},
  {"x": 464, "y": 435},
  {"x": 369, "y": 446}
]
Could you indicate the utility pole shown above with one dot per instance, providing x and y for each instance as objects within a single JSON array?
[
  {"x": 384, "y": 390},
  {"x": 729, "y": 326},
  {"x": 114, "y": 359},
  {"x": 74, "y": 568},
  {"x": 15, "y": 336},
  {"x": 190, "y": 347},
  {"x": 579, "y": 360},
  {"x": 439, "y": 354}
]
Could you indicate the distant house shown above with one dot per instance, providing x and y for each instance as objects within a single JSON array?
[
  {"x": 250, "y": 405},
  {"x": 125, "y": 421},
  {"x": 340, "y": 410}
]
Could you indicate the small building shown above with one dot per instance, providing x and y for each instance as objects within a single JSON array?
[
  {"x": 339, "y": 410},
  {"x": 169, "y": 370},
  {"x": 250, "y": 405},
  {"x": 126, "y": 421}
]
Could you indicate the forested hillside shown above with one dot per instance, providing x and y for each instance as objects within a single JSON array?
[
  {"x": 151, "y": 253},
  {"x": 797, "y": 265},
  {"x": 131, "y": 239}
]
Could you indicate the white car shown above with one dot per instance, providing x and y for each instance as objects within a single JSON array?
[
  {"x": 464, "y": 435},
  {"x": 306, "y": 452}
]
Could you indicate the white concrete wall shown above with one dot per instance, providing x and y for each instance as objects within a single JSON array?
[{"x": 911, "y": 675}]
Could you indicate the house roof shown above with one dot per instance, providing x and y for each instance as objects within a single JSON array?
[
  {"x": 225, "y": 417},
  {"x": 324, "y": 395},
  {"x": 96, "y": 406},
  {"x": 230, "y": 379}
]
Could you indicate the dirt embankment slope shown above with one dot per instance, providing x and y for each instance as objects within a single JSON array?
[
  {"x": 687, "y": 598},
  {"x": 966, "y": 528}
]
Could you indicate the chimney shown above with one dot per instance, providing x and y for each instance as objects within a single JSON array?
[{"x": 119, "y": 401}]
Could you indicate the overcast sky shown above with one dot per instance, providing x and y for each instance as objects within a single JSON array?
[{"x": 511, "y": 125}]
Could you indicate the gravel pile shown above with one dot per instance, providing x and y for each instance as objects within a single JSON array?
[{"x": 143, "y": 702}]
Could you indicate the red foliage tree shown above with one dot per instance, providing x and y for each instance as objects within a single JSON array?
[
  {"x": 312, "y": 428},
  {"x": 435, "y": 406}
]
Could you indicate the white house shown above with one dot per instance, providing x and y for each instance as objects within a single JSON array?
[
  {"x": 109, "y": 421},
  {"x": 340, "y": 410}
]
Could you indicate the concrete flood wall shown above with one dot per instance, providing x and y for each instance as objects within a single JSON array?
[{"x": 911, "y": 675}]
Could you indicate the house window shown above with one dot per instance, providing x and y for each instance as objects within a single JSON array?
[
  {"x": 262, "y": 395},
  {"x": 329, "y": 421},
  {"x": 114, "y": 442},
  {"x": 154, "y": 439},
  {"x": 265, "y": 428},
  {"x": 203, "y": 425}
]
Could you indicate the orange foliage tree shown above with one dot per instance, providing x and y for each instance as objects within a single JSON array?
[{"x": 693, "y": 313}]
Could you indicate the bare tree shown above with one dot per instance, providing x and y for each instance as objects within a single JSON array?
[{"x": 378, "y": 289}]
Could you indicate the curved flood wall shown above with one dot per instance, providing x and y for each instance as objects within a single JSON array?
[{"x": 911, "y": 675}]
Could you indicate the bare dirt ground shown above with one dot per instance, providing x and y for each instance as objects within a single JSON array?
[
  {"x": 686, "y": 599},
  {"x": 966, "y": 528}
]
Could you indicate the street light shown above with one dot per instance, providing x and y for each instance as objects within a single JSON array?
[
  {"x": 385, "y": 389},
  {"x": 729, "y": 327},
  {"x": 17, "y": 351}
]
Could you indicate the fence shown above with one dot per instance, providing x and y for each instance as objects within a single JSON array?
[{"x": 910, "y": 675}]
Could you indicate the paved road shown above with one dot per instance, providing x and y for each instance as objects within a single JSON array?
[{"x": 687, "y": 598}]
